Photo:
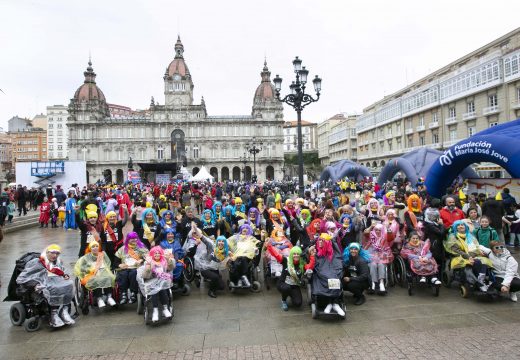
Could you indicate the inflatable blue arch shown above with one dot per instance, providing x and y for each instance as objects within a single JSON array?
[
  {"x": 414, "y": 165},
  {"x": 344, "y": 168},
  {"x": 498, "y": 144}
]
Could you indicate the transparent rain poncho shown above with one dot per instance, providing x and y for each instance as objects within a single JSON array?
[
  {"x": 153, "y": 280},
  {"x": 85, "y": 270},
  {"x": 55, "y": 289}
]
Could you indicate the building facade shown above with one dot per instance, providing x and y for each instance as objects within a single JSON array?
[
  {"x": 29, "y": 145},
  {"x": 17, "y": 123},
  {"x": 290, "y": 135},
  {"x": 342, "y": 138},
  {"x": 479, "y": 90},
  {"x": 57, "y": 132},
  {"x": 39, "y": 121},
  {"x": 164, "y": 137},
  {"x": 323, "y": 131}
]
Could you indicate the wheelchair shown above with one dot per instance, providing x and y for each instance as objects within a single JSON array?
[
  {"x": 467, "y": 281},
  {"x": 318, "y": 303},
  {"x": 31, "y": 310},
  {"x": 85, "y": 298},
  {"x": 144, "y": 307},
  {"x": 412, "y": 281},
  {"x": 252, "y": 276}
]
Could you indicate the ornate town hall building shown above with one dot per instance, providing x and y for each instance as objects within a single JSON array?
[{"x": 177, "y": 133}]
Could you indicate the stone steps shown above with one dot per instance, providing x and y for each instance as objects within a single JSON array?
[{"x": 22, "y": 222}]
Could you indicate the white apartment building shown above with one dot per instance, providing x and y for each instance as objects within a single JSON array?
[
  {"x": 57, "y": 133},
  {"x": 337, "y": 139},
  {"x": 479, "y": 90},
  {"x": 290, "y": 136}
]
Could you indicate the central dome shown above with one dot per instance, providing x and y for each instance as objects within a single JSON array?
[
  {"x": 178, "y": 66},
  {"x": 265, "y": 91},
  {"x": 89, "y": 90}
]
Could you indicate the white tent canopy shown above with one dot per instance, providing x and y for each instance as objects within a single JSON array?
[{"x": 202, "y": 175}]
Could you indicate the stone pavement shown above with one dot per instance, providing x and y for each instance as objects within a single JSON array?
[{"x": 245, "y": 325}]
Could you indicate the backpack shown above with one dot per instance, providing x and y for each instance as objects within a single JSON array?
[{"x": 19, "y": 267}]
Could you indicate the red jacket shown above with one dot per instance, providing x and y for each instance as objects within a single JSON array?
[{"x": 449, "y": 217}]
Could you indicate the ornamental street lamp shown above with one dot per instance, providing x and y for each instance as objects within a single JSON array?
[
  {"x": 244, "y": 160},
  {"x": 254, "y": 148},
  {"x": 298, "y": 99}
]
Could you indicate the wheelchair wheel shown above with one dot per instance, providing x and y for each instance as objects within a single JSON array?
[
  {"x": 256, "y": 286},
  {"x": 314, "y": 311},
  {"x": 410, "y": 289},
  {"x": 390, "y": 276},
  {"x": 140, "y": 304},
  {"x": 186, "y": 290},
  {"x": 436, "y": 289},
  {"x": 399, "y": 271},
  {"x": 189, "y": 270},
  {"x": 33, "y": 324},
  {"x": 17, "y": 314},
  {"x": 464, "y": 291},
  {"x": 309, "y": 294},
  {"x": 446, "y": 277}
]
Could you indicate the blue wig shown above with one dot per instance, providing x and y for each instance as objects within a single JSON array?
[
  {"x": 211, "y": 218},
  {"x": 163, "y": 221},
  {"x": 215, "y": 204},
  {"x": 231, "y": 213},
  {"x": 165, "y": 232},
  {"x": 365, "y": 255},
  {"x": 469, "y": 236},
  {"x": 146, "y": 212},
  {"x": 343, "y": 218},
  {"x": 226, "y": 247}
]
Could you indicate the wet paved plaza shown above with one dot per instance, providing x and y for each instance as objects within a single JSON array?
[{"x": 245, "y": 325}]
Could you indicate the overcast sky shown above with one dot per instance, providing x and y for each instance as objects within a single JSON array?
[{"x": 363, "y": 50}]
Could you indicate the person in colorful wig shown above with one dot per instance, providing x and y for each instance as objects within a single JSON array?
[
  {"x": 356, "y": 277},
  {"x": 244, "y": 247},
  {"x": 155, "y": 280},
  {"x": 420, "y": 258},
  {"x": 46, "y": 275},
  {"x": 294, "y": 268},
  {"x": 378, "y": 241},
  {"x": 127, "y": 259},
  {"x": 170, "y": 243},
  {"x": 93, "y": 271}
]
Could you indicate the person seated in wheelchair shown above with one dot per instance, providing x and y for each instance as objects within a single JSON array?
[
  {"x": 155, "y": 280},
  {"x": 172, "y": 245},
  {"x": 378, "y": 241},
  {"x": 505, "y": 269},
  {"x": 294, "y": 268},
  {"x": 46, "y": 276},
  {"x": 356, "y": 276},
  {"x": 243, "y": 247},
  {"x": 467, "y": 254},
  {"x": 420, "y": 259},
  {"x": 208, "y": 258},
  {"x": 127, "y": 259},
  {"x": 94, "y": 274},
  {"x": 277, "y": 245},
  {"x": 328, "y": 272}
]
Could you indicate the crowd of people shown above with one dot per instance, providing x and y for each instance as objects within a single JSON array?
[{"x": 336, "y": 237}]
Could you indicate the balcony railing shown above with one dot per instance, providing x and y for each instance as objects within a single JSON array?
[
  {"x": 433, "y": 125},
  {"x": 490, "y": 110},
  {"x": 516, "y": 104},
  {"x": 420, "y": 128},
  {"x": 451, "y": 120},
  {"x": 408, "y": 131},
  {"x": 469, "y": 115}
]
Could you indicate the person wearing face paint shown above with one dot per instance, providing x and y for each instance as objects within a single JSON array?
[
  {"x": 127, "y": 259},
  {"x": 91, "y": 228},
  {"x": 46, "y": 275},
  {"x": 155, "y": 280},
  {"x": 93, "y": 271},
  {"x": 465, "y": 248},
  {"x": 505, "y": 269},
  {"x": 356, "y": 276},
  {"x": 294, "y": 267},
  {"x": 450, "y": 213}
]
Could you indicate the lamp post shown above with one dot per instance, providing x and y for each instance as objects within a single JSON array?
[
  {"x": 254, "y": 148},
  {"x": 243, "y": 160},
  {"x": 283, "y": 172},
  {"x": 298, "y": 99}
]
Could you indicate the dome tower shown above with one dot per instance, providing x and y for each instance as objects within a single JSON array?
[
  {"x": 265, "y": 104},
  {"x": 178, "y": 86},
  {"x": 89, "y": 98}
]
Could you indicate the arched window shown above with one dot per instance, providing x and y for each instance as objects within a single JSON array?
[{"x": 160, "y": 152}]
